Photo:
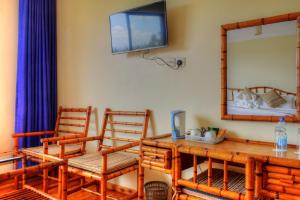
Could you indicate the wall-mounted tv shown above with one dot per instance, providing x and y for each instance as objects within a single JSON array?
[{"x": 139, "y": 28}]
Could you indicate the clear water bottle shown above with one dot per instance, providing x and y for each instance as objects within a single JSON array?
[{"x": 281, "y": 136}]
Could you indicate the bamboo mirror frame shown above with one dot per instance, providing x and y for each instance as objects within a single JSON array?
[{"x": 224, "y": 76}]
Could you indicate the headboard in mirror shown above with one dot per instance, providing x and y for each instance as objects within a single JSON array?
[{"x": 260, "y": 69}]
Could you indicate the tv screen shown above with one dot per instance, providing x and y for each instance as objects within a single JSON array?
[{"x": 139, "y": 28}]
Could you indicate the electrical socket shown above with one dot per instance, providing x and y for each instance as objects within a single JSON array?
[{"x": 180, "y": 62}]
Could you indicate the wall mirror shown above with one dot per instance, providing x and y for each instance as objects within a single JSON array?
[{"x": 261, "y": 69}]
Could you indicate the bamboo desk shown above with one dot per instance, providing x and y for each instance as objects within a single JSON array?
[{"x": 277, "y": 175}]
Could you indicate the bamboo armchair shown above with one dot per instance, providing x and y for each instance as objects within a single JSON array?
[
  {"x": 214, "y": 182},
  {"x": 70, "y": 123},
  {"x": 28, "y": 192},
  {"x": 110, "y": 161},
  {"x": 66, "y": 127}
]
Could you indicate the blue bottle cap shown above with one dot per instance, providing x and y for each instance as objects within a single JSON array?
[{"x": 281, "y": 119}]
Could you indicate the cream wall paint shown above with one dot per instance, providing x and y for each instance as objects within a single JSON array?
[
  {"x": 8, "y": 66},
  {"x": 88, "y": 74},
  {"x": 263, "y": 62}
]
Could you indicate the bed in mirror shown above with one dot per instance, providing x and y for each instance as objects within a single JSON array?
[{"x": 260, "y": 69}]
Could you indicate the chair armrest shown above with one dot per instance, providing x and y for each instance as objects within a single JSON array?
[
  {"x": 32, "y": 169},
  {"x": 119, "y": 148},
  {"x": 77, "y": 140},
  {"x": 55, "y": 139},
  {"x": 17, "y": 135}
]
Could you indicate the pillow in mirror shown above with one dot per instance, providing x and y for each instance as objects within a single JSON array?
[
  {"x": 290, "y": 102},
  {"x": 247, "y": 99},
  {"x": 273, "y": 99}
]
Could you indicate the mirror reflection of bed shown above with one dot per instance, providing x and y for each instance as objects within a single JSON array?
[
  {"x": 262, "y": 70},
  {"x": 260, "y": 101}
]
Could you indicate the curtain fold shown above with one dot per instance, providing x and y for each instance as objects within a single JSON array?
[{"x": 36, "y": 91}]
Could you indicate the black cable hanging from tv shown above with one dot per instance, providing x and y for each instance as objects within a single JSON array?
[{"x": 162, "y": 62}]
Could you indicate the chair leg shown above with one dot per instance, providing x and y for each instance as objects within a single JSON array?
[
  {"x": 98, "y": 187},
  {"x": 45, "y": 180},
  {"x": 24, "y": 161},
  {"x": 60, "y": 182},
  {"x": 140, "y": 175},
  {"x": 103, "y": 188},
  {"x": 16, "y": 182},
  {"x": 64, "y": 184}
]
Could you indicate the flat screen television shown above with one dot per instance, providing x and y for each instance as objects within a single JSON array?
[{"x": 139, "y": 28}]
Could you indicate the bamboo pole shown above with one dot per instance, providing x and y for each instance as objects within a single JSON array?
[
  {"x": 120, "y": 139},
  {"x": 123, "y": 131},
  {"x": 209, "y": 171},
  {"x": 225, "y": 184},
  {"x": 83, "y": 110},
  {"x": 177, "y": 168},
  {"x": 126, "y": 113},
  {"x": 45, "y": 171},
  {"x": 74, "y": 118},
  {"x": 166, "y": 171},
  {"x": 86, "y": 128},
  {"x": 64, "y": 174},
  {"x": 249, "y": 174},
  {"x": 146, "y": 123},
  {"x": 104, "y": 178},
  {"x": 125, "y": 123},
  {"x": 258, "y": 178},
  {"x": 298, "y": 69},
  {"x": 104, "y": 125},
  {"x": 141, "y": 174},
  {"x": 24, "y": 162},
  {"x": 195, "y": 163}
]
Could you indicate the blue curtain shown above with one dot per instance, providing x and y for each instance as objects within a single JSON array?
[{"x": 36, "y": 92}]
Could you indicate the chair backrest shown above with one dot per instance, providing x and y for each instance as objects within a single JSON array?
[
  {"x": 123, "y": 127},
  {"x": 72, "y": 121}
]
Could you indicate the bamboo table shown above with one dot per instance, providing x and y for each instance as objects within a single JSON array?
[{"x": 277, "y": 176}]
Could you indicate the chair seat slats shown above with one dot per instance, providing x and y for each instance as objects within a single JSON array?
[
  {"x": 54, "y": 149},
  {"x": 92, "y": 162}
]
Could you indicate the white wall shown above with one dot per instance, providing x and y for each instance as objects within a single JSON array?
[
  {"x": 8, "y": 66},
  {"x": 88, "y": 74},
  {"x": 263, "y": 62}
]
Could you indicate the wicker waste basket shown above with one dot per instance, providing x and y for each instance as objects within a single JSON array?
[{"x": 156, "y": 190}]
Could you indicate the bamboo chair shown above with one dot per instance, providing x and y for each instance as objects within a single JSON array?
[
  {"x": 114, "y": 160},
  {"x": 70, "y": 123},
  {"x": 215, "y": 183},
  {"x": 28, "y": 192}
]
